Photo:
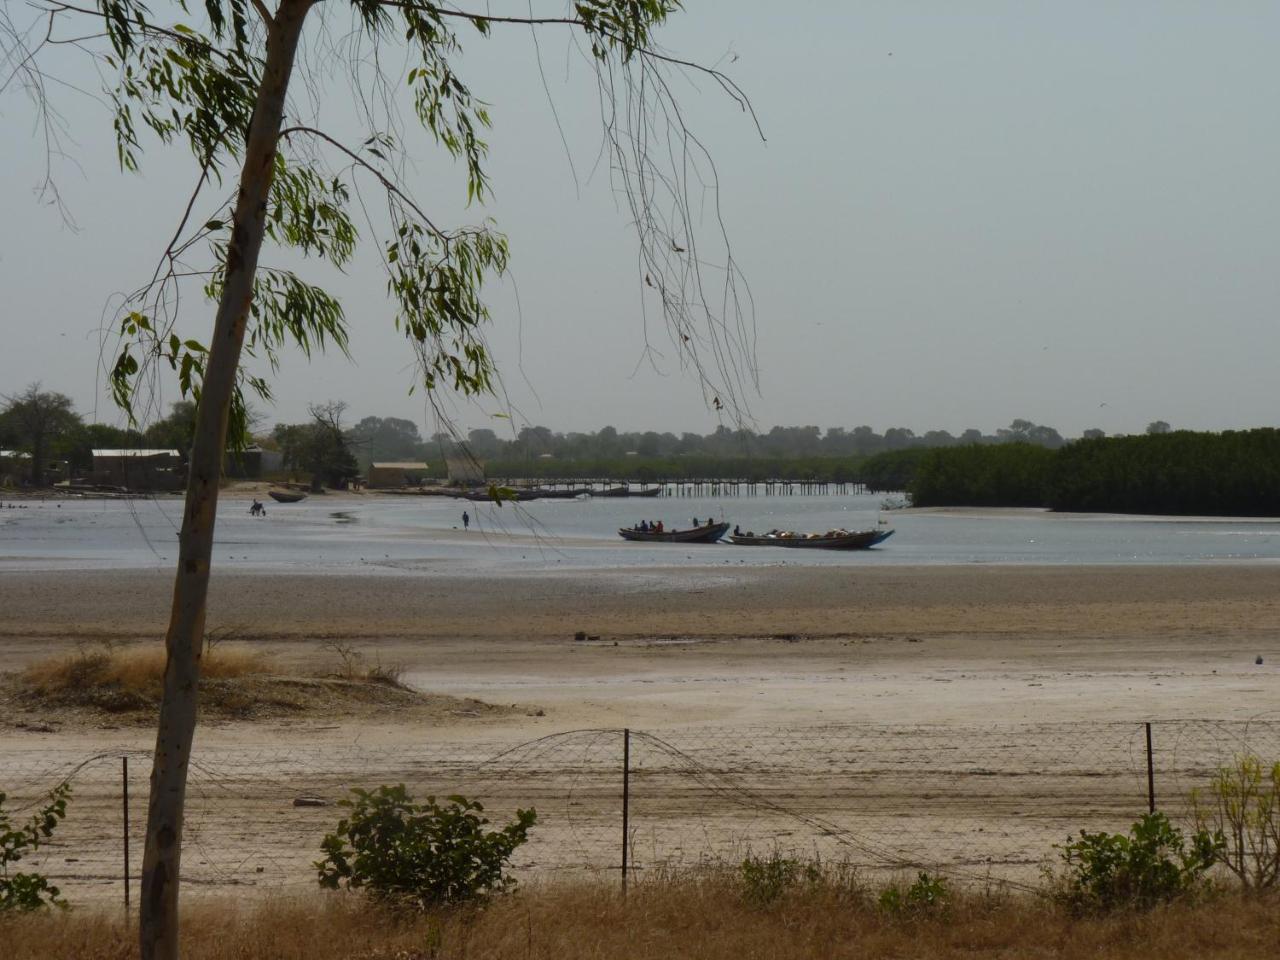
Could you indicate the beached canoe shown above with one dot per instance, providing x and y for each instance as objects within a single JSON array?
[
  {"x": 836, "y": 540},
  {"x": 286, "y": 496},
  {"x": 708, "y": 533}
]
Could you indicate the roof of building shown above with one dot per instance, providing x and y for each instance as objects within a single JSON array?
[
  {"x": 135, "y": 453},
  {"x": 408, "y": 465}
]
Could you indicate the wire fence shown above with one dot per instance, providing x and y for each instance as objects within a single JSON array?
[{"x": 973, "y": 802}]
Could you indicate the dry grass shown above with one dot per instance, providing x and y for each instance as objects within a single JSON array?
[
  {"x": 237, "y": 683},
  {"x": 118, "y": 679},
  {"x": 133, "y": 670},
  {"x": 690, "y": 917}
]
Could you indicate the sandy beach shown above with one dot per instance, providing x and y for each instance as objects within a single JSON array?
[
  {"x": 996, "y": 643},
  {"x": 964, "y": 716}
]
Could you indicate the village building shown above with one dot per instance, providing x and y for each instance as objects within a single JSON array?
[
  {"x": 393, "y": 476},
  {"x": 15, "y": 469},
  {"x": 141, "y": 469},
  {"x": 252, "y": 463},
  {"x": 15, "y": 466}
]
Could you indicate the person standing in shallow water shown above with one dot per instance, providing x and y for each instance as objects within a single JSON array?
[{"x": 466, "y": 520}]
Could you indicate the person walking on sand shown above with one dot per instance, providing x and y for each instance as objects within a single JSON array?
[{"x": 466, "y": 520}]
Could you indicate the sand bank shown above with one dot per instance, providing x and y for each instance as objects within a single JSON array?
[{"x": 771, "y": 645}]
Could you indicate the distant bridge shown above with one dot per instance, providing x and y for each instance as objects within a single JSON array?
[{"x": 697, "y": 487}]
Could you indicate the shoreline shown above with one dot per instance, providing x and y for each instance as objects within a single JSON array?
[
  {"x": 247, "y": 490},
  {"x": 995, "y": 513}
]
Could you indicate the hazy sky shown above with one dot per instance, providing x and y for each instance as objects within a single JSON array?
[{"x": 964, "y": 213}]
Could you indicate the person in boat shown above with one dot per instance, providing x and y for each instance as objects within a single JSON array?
[
  {"x": 695, "y": 523},
  {"x": 737, "y": 531},
  {"x": 660, "y": 530},
  {"x": 643, "y": 526}
]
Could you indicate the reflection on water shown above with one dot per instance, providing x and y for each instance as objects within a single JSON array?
[{"x": 419, "y": 535}]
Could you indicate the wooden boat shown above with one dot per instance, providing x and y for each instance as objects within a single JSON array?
[
  {"x": 483, "y": 496},
  {"x": 835, "y": 540},
  {"x": 626, "y": 492},
  {"x": 655, "y": 492},
  {"x": 286, "y": 496},
  {"x": 523, "y": 494},
  {"x": 708, "y": 533}
]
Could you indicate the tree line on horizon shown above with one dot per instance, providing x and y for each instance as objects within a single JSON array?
[
  {"x": 45, "y": 425},
  {"x": 1164, "y": 471},
  {"x": 1182, "y": 472}
]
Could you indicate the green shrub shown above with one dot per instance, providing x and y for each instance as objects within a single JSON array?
[
  {"x": 420, "y": 854},
  {"x": 1150, "y": 865},
  {"x": 1243, "y": 807},
  {"x": 926, "y": 895},
  {"x": 28, "y": 891},
  {"x": 765, "y": 879}
]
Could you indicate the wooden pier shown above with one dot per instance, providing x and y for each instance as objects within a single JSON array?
[{"x": 701, "y": 487}]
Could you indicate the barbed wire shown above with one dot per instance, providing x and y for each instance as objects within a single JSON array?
[{"x": 984, "y": 804}]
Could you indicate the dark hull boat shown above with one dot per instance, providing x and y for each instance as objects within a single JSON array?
[
  {"x": 626, "y": 492},
  {"x": 523, "y": 494},
  {"x": 860, "y": 540},
  {"x": 709, "y": 533},
  {"x": 286, "y": 496}
]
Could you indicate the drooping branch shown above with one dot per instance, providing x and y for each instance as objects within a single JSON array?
[
  {"x": 362, "y": 163},
  {"x": 662, "y": 170},
  {"x": 632, "y": 45}
]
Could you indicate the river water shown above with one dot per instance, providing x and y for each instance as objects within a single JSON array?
[{"x": 409, "y": 535}]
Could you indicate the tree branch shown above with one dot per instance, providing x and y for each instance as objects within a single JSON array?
[
  {"x": 735, "y": 92},
  {"x": 185, "y": 38},
  {"x": 264, "y": 13},
  {"x": 387, "y": 183}
]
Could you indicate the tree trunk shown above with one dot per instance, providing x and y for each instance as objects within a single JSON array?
[
  {"x": 158, "y": 922},
  {"x": 37, "y": 458}
]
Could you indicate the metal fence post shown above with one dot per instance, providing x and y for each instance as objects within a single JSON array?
[
  {"x": 1151, "y": 774},
  {"x": 626, "y": 803},
  {"x": 124, "y": 782}
]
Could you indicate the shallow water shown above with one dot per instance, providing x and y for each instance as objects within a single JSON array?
[{"x": 391, "y": 535}]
